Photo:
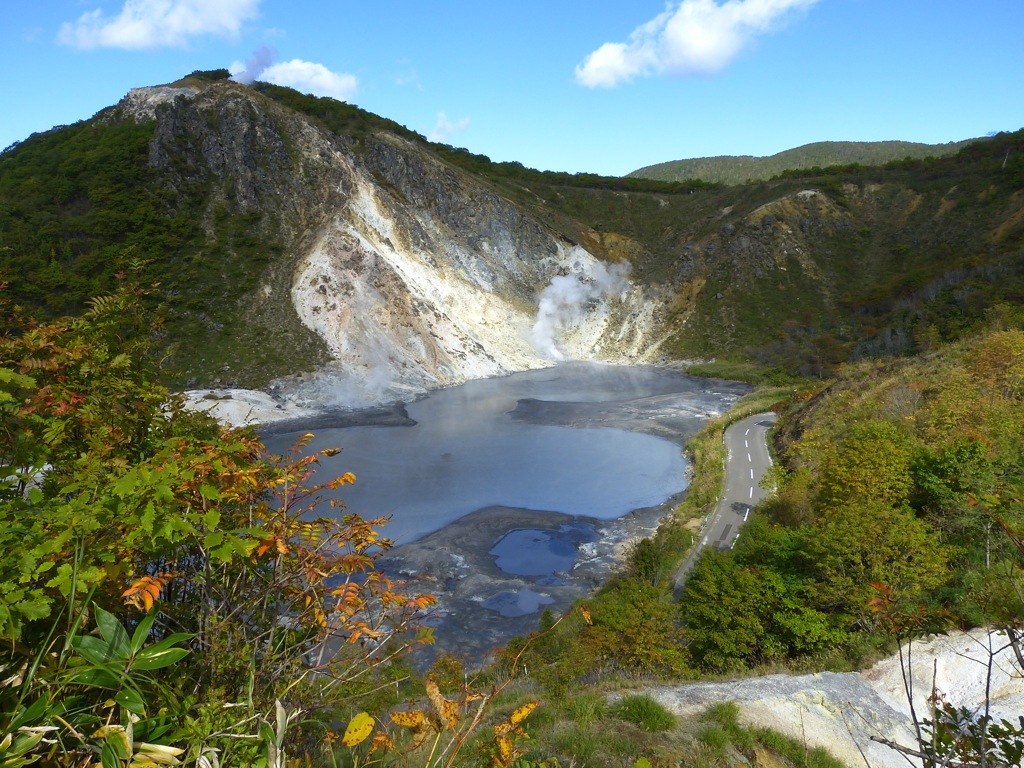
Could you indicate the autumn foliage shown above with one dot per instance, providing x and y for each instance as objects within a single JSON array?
[{"x": 117, "y": 497}]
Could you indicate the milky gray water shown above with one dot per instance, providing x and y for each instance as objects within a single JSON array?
[{"x": 467, "y": 451}]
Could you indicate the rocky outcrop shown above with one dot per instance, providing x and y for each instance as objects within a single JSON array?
[
  {"x": 429, "y": 279},
  {"x": 409, "y": 273},
  {"x": 843, "y": 711}
]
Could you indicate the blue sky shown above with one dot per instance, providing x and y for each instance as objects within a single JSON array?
[{"x": 604, "y": 86}]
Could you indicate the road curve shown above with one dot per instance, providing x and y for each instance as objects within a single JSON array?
[{"x": 746, "y": 460}]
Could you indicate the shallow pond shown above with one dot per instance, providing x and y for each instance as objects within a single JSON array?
[{"x": 566, "y": 439}]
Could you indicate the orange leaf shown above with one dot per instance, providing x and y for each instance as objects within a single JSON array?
[
  {"x": 279, "y": 545},
  {"x": 381, "y": 741},
  {"x": 145, "y": 590}
]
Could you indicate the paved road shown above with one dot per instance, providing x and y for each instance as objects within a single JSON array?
[{"x": 746, "y": 460}]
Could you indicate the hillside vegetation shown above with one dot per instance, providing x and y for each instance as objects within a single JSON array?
[
  {"x": 804, "y": 272},
  {"x": 156, "y": 537},
  {"x": 168, "y": 596},
  {"x": 815, "y": 269},
  {"x": 740, "y": 169}
]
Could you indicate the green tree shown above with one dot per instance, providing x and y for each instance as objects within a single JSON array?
[
  {"x": 999, "y": 364},
  {"x": 722, "y": 611},
  {"x": 737, "y": 613},
  {"x": 872, "y": 464},
  {"x": 857, "y": 544},
  {"x": 634, "y": 625}
]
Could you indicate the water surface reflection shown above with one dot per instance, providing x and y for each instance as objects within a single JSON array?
[{"x": 465, "y": 452}]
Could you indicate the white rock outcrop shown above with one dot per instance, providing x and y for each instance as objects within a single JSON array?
[
  {"x": 842, "y": 711},
  {"x": 407, "y": 301}
]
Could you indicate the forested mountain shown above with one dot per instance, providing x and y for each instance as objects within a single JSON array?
[
  {"x": 226, "y": 193},
  {"x": 740, "y": 169}
]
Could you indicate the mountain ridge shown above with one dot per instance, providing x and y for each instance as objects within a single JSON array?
[
  {"x": 224, "y": 191},
  {"x": 738, "y": 169}
]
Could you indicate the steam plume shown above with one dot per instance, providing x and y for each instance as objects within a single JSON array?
[
  {"x": 261, "y": 58},
  {"x": 564, "y": 302}
]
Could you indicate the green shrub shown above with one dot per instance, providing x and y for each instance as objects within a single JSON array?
[
  {"x": 586, "y": 708},
  {"x": 715, "y": 738},
  {"x": 645, "y": 712},
  {"x": 795, "y": 751},
  {"x": 723, "y": 713}
]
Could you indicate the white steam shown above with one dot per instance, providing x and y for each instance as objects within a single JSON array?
[
  {"x": 444, "y": 128},
  {"x": 567, "y": 299}
]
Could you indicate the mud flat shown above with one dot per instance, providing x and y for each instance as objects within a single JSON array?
[{"x": 377, "y": 416}]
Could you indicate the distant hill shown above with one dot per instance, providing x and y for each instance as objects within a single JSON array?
[{"x": 730, "y": 169}]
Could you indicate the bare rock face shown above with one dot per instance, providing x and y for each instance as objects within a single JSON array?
[
  {"x": 429, "y": 279},
  {"x": 410, "y": 274},
  {"x": 142, "y": 103},
  {"x": 843, "y": 711}
]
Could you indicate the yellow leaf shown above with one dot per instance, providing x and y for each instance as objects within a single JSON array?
[
  {"x": 408, "y": 719},
  {"x": 523, "y": 712},
  {"x": 434, "y": 694},
  {"x": 358, "y": 729},
  {"x": 511, "y": 725},
  {"x": 450, "y": 713},
  {"x": 107, "y": 730},
  {"x": 155, "y": 754},
  {"x": 447, "y": 710},
  {"x": 505, "y": 750}
]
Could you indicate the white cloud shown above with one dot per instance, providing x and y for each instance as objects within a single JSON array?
[
  {"x": 408, "y": 75},
  {"x": 409, "y": 78},
  {"x": 444, "y": 129},
  {"x": 309, "y": 77},
  {"x": 158, "y": 23},
  {"x": 305, "y": 76},
  {"x": 691, "y": 37}
]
